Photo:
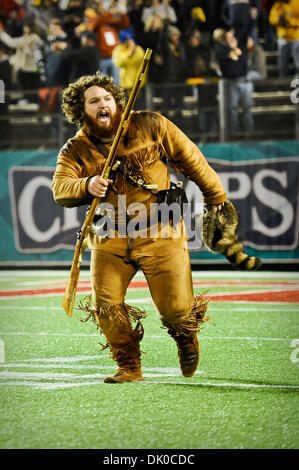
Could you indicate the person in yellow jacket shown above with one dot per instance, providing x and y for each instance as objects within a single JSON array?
[
  {"x": 96, "y": 104},
  {"x": 128, "y": 57},
  {"x": 284, "y": 15}
]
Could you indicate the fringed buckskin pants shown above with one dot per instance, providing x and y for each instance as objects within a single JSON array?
[
  {"x": 170, "y": 283},
  {"x": 169, "y": 279}
]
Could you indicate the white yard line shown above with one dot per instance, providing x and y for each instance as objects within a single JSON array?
[
  {"x": 173, "y": 371},
  {"x": 59, "y": 385},
  {"x": 55, "y": 380},
  {"x": 20, "y": 365},
  {"x": 224, "y": 384},
  {"x": 48, "y": 386},
  {"x": 67, "y": 376}
]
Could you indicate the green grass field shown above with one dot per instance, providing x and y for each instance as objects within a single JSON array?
[{"x": 245, "y": 394}]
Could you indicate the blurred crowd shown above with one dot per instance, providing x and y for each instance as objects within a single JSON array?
[
  {"x": 52, "y": 42},
  {"x": 49, "y": 43}
]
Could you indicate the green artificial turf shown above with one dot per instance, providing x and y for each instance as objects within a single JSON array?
[{"x": 244, "y": 395}]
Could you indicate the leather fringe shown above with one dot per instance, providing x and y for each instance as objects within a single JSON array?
[
  {"x": 127, "y": 353},
  {"x": 138, "y": 163},
  {"x": 192, "y": 322},
  {"x": 123, "y": 313}
]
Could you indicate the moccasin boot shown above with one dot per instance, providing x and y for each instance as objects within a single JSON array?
[
  {"x": 127, "y": 355},
  {"x": 128, "y": 358},
  {"x": 115, "y": 322},
  {"x": 188, "y": 352},
  {"x": 184, "y": 332},
  {"x": 126, "y": 374}
]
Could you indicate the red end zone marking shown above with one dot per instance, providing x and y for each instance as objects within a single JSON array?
[
  {"x": 263, "y": 296},
  {"x": 277, "y": 296}
]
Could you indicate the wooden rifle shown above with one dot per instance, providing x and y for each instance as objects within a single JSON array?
[{"x": 71, "y": 288}]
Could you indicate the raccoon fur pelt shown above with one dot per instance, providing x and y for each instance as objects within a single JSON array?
[{"x": 219, "y": 234}]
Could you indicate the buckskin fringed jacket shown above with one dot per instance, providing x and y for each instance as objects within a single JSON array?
[{"x": 149, "y": 142}]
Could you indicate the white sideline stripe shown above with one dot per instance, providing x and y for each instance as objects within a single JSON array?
[
  {"x": 224, "y": 384},
  {"x": 211, "y": 337},
  {"x": 167, "y": 370},
  {"x": 55, "y": 386},
  {"x": 51, "y": 366},
  {"x": 67, "y": 376},
  {"x": 66, "y": 359},
  {"x": 47, "y": 386},
  {"x": 27, "y": 363},
  {"x": 237, "y": 338},
  {"x": 164, "y": 371}
]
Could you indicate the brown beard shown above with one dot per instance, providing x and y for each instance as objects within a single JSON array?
[{"x": 92, "y": 127}]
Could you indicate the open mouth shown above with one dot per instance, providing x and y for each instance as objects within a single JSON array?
[{"x": 103, "y": 116}]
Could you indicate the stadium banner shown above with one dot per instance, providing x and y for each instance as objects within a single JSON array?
[{"x": 261, "y": 179}]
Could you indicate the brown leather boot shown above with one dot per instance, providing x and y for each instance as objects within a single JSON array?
[
  {"x": 126, "y": 373},
  {"x": 115, "y": 321},
  {"x": 184, "y": 332},
  {"x": 188, "y": 352},
  {"x": 127, "y": 355}
]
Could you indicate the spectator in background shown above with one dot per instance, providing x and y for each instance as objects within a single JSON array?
[
  {"x": 149, "y": 8},
  {"x": 11, "y": 10},
  {"x": 56, "y": 31},
  {"x": 5, "y": 67},
  {"x": 199, "y": 64},
  {"x": 5, "y": 76},
  {"x": 244, "y": 16},
  {"x": 196, "y": 18},
  {"x": 24, "y": 60},
  {"x": 134, "y": 13},
  {"x": 173, "y": 67},
  {"x": 128, "y": 57},
  {"x": 266, "y": 30},
  {"x": 173, "y": 56},
  {"x": 233, "y": 67},
  {"x": 284, "y": 15},
  {"x": 256, "y": 61},
  {"x": 72, "y": 17},
  {"x": 204, "y": 16},
  {"x": 41, "y": 12},
  {"x": 85, "y": 59},
  {"x": 107, "y": 25},
  {"x": 152, "y": 38},
  {"x": 58, "y": 63},
  {"x": 65, "y": 63},
  {"x": 15, "y": 21},
  {"x": 198, "y": 57},
  {"x": 167, "y": 12}
]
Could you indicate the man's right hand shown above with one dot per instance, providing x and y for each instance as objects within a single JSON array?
[{"x": 97, "y": 186}]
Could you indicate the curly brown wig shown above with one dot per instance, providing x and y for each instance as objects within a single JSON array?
[{"x": 73, "y": 96}]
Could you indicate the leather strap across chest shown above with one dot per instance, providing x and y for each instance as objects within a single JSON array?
[{"x": 118, "y": 166}]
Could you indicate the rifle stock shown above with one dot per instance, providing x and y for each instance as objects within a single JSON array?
[{"x": 68, "y": 301}]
